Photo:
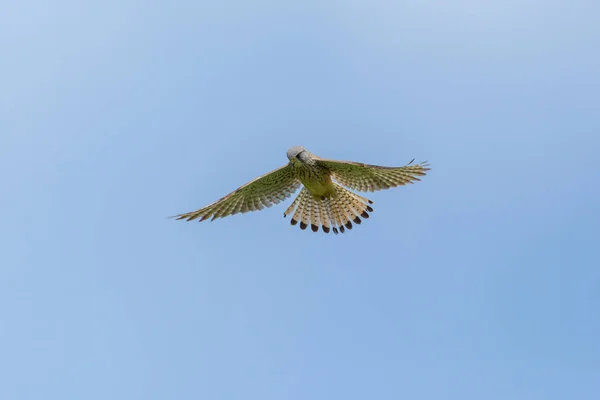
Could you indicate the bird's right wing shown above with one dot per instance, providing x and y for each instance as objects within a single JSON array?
[
  {"x": 261, "y": 192},
  {"x": 369, "y": 178}
]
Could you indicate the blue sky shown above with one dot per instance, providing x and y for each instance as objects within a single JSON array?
[{"x": 481, "y": 281}]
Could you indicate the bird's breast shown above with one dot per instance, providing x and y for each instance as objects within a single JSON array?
[{"x": 317, "y": 181}]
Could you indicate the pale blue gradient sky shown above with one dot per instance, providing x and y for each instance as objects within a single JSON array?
[{"x": 480, "y": 282}]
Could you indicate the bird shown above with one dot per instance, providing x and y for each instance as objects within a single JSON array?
[{"x": 325, "y": 200}]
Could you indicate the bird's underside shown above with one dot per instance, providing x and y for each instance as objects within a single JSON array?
[{"x": 324, "y": 200}]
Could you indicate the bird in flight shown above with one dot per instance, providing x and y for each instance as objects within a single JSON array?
[{"x": 323, "y": 201}]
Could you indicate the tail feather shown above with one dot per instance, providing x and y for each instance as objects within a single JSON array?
[
  {"x": 306, "y": 212},
  {"x": 335, "y": 213},
  {"x": 356, "y": 205},
  {"x": 346, "y": 206},
  {"x": 346, "y": 210},
  {"x": 325, "y": 217},
  {"x": 332, "y": 203},
  {"x": 315, "y": 216},
  {"x": 350, "y": 206},
  {"x": 297, "y": 217},
  {"x": 292, "y": 207},
  {"x": 330, "y": 216}
]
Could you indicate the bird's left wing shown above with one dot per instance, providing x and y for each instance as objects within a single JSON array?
[
  {"x": 369, "y": 178},
  {"x": 261, "y": 192}
]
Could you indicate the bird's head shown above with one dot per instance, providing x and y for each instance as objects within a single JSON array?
[{"x": 298, "y": 155}]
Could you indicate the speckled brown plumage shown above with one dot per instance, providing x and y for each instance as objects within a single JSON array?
[{"x": 324, "y": 201}]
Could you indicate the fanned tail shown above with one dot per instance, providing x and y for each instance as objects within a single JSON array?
[{"x": 337, "y": 212}]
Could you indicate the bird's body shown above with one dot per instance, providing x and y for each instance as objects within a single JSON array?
[
  {"x": 315, "y": 177},
  {"x": 323, "y": 201}
]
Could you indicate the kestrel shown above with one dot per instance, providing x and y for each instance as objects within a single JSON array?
[{"x": 323, "y": 201}]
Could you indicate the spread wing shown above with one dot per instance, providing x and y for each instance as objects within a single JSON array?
[
  {"x": 369, "y": 178},
  {"x": 261, "y": 192}
]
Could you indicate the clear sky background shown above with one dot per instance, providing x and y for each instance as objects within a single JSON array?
[{"x": 480, "y": 282}]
